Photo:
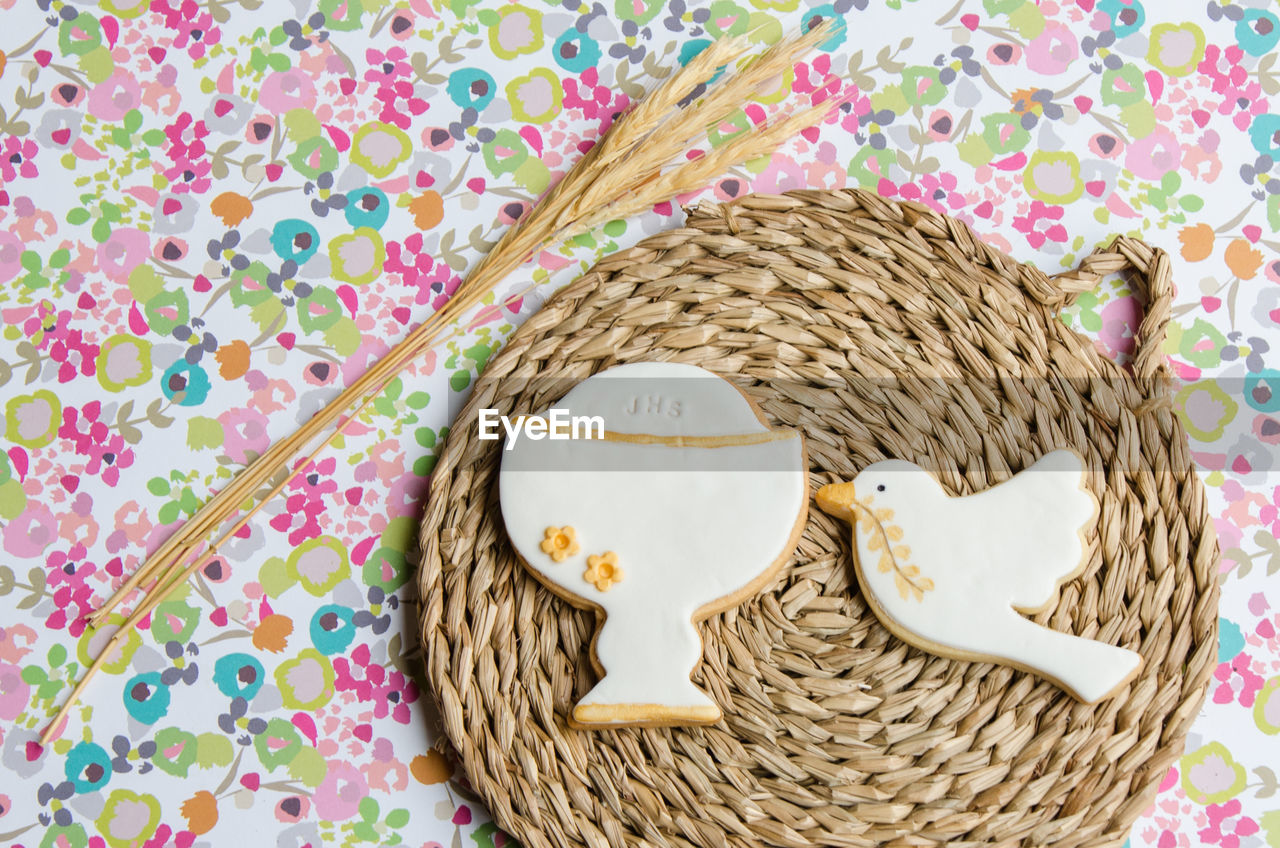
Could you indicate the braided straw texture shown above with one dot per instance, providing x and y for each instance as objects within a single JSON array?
[{"x": 894, "y": 332}]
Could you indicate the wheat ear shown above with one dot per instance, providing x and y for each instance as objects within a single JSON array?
[{"x": 625, "y": 172}]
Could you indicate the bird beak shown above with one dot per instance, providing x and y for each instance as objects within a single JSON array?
[{"x": 836, "y": 499}]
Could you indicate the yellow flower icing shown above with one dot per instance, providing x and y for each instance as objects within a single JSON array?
[
  {"x": 559, "y": 543},
  {"x": 603, "y": 570}
]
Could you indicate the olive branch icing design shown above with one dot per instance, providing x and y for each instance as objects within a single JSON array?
[{"x": 882, "y": 536}]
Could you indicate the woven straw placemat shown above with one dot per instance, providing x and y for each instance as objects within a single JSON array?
[{"x": 879, "y": 329}]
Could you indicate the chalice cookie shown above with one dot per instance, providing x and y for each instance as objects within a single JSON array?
[{"x": 684, "y": 503}]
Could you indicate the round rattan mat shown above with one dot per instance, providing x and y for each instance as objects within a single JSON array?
[{"x": 878, "y": 329}]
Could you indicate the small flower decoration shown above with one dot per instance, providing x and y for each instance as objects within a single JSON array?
[
  {"x": 603, "y": 570},
  {"x": 560, "y": 543}
]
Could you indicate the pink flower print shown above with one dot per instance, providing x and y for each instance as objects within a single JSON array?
[
  {"x": 186, "y": 175},
  {"x": 320, "y": 373},
  {"x": 338, "y": 796},
  {"x": 50, "y": 331},
  {"x": 31, "y": 532},
  {"x": 939, "y": 191},
  {"x": 408, "y": 260},
  {"x": 393, "y": 696},
  {"x": 107, "y": 452},
  {"x": 11, "y": 249},
  {"x": 1226, "y": 825},
  {"x": 305, "y": 504},
  {"x": 345, "y": 670},
  {"x": 47, "y": 323},
  {"x": 391, "y": 693},
  {"x": 129, "y": 532},
  {"x": 10, "y": 650},
  {"x": 1237, "y": 681},
  {"x": 594, "y": 100},
  {"x": 822, "y": 170},
  {"x": 14, "y": 692},
  {"x": 1040, "y": 224},
  {"x": 1251, "y": 104},
  {"x": 72, "y": 605},
  {"x": 442, "y": 282},
  {"x": 437, "y": 140},
  {"x": 16, "y": 159},
  {"x": 1053, "y": 50},
  {"x": 1224, "y": 68},
  {"x": 1152, "y": 157},
  {"x": 190, "y": 169},
  {"x": 285, "y": 90},
  {"x": 244, "y": 431},
  {"x": 405, "y": 493},
  {"x": 724, "y": 191},
  {"x": 1003, "y": 53},
  {"x": 388, "y": 460},
  {"x": 259, "y": 129},
  {"x": 1119, "y": 316},
  {"x": 67, "y": 94},
  {"x": 386, "y": 68},
  {"x": 1105, "y": 145},
  {"x": 435, "y": 282},
  {"x": 69, "y": 578},
  {"x": 112, "y": 99},
  {"x": 941, "y": 124},
  {"x": 193, "y": 31},
  {"x": 887, "y": 187},
  {"x": 390, "y": 72},
  {"x": 78, "y": 526},
  {"x": 782, "y": 174},
  {"x": 270, "y": 395},
  {"x": 74, "y": 355},
  {"x": 33, "y": 224},
  {"x": 125, "y": 249},
  {"x": 910, "y": 191},
  {"x": 390, "y": 95},
  {"x": 858, "y": 105},
  {"x": 1240, "y": 95},
  {"x": 401, "y": 26},
  {"x": 386, "y": 766}
]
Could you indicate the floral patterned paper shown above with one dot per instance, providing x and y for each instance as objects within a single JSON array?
[{"x": 214, "y": 215}]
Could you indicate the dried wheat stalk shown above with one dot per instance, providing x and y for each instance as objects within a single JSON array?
[{"x": 631, "y": 169}]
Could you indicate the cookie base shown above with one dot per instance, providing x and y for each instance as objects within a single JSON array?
[{"x": 653, "y": 715}]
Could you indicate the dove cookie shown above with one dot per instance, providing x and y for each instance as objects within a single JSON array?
[
  {"x": 951, "y": 574},
  {"x": 685, "y": 505}
]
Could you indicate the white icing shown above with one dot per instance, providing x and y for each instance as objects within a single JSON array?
[
  {"x": 702, "y": 526},
  {"x": 988, "y": 555},
  {"x": 664, "y": 399}
]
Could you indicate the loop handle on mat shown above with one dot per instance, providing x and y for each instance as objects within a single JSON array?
[{"x": 1153, "y": 279}]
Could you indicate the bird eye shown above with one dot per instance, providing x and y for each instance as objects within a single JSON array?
[{"x": 880, "y": 488}]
